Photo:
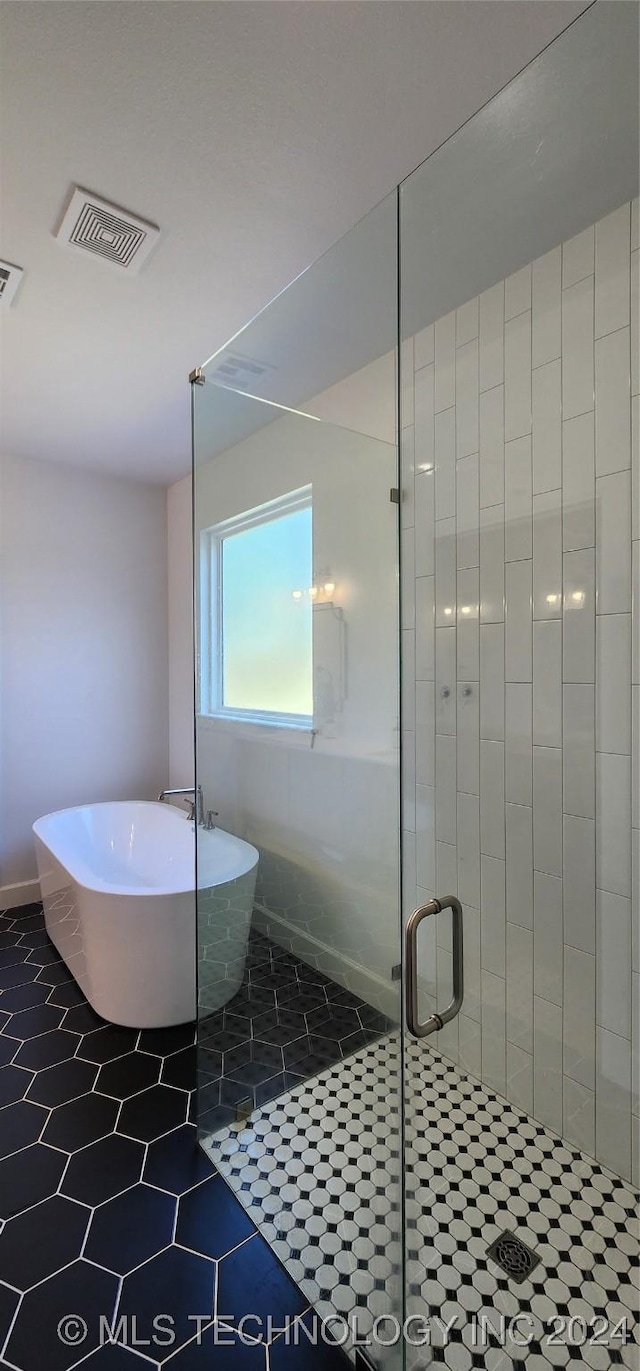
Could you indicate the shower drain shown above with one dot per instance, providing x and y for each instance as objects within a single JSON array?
[{"x": 513, "y": 1255}]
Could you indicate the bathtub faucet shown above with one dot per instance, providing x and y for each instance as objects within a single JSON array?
[{"x": 196, "y": 805}]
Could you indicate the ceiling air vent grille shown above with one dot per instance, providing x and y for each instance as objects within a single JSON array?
[
  {"x": 233, "y": 369},
  {"x": 10, "y": 278},
  {"x": 96, "y": 226}
]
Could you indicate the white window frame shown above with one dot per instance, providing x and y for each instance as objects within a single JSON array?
[{"x": 210, "y": 674}]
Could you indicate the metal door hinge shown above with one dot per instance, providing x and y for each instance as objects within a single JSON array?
[
  {"x": 396, "y": 972},
  {"x": 196, "y": 377},
  {"x": 394, "y": 495}
]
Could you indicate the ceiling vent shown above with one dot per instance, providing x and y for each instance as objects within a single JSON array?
[
  {"x": 10, "y": 278},
  {"x": 233, "y": 369},
  {"x": 107, "y": 231}
]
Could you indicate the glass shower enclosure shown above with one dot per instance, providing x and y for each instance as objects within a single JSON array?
[
  {"x": 416, "y": 502},
  {"x": 298, "y": 740}
]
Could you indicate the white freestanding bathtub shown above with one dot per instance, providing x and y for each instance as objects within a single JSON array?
[{"x": 118, "y": 887}]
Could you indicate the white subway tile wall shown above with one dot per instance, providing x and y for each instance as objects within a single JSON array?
[{"x": 522, "y": 741}]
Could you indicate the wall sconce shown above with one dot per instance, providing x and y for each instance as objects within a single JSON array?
[{"x": 321, "y": 592}]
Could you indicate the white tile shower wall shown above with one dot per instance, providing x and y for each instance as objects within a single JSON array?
[{"x": 526, "y": 502}]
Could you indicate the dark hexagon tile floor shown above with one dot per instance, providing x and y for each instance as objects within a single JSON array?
[
  {"x": 97, "y": 1173},
  {"x": 108, "y": 1207},
  {"x": 22, "y": 1124},
  {"x": 127, "y": 1230},
  {"x": 286, "y": 1023},
  {"x": 80, "y": 1289},
  {"x": 62, "y": 1083},
  {"x": 210, "y": 1221},
  {"x": 129, "y": 1075},
  {"x": 174, "y": 1164},
  {"x": 42, "y": 1240}
]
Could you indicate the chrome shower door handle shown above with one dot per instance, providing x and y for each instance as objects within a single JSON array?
[{"x": 439, "y": 1019}]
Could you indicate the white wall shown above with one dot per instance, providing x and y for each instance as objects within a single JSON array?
[
  {"x": 84, "y": 646},
  {"x": 180, "y": 587}
]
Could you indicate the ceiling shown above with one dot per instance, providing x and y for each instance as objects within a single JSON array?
[
  {"x": 554, "y": 151},
  {"x": 254, "y": 133}
]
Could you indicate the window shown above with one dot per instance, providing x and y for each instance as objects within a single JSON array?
[{"x": 256, "y": 614}]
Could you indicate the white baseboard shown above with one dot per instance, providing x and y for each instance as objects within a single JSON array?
[
  {"x": 368, "y": 985},
  {"x": 24, "y": 892}
]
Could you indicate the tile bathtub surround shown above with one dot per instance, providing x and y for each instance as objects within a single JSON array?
[
  {"x": 107, "y": 1204},
  {"x": 524, "y": 516},
  {"x": 475, "y": 1167}
]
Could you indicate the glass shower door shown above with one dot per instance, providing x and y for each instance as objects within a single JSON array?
[
  {"x": 519, "y": 366},
  {"x": 297, "y": 752},
  {"x": 463, "y": 1158}
]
